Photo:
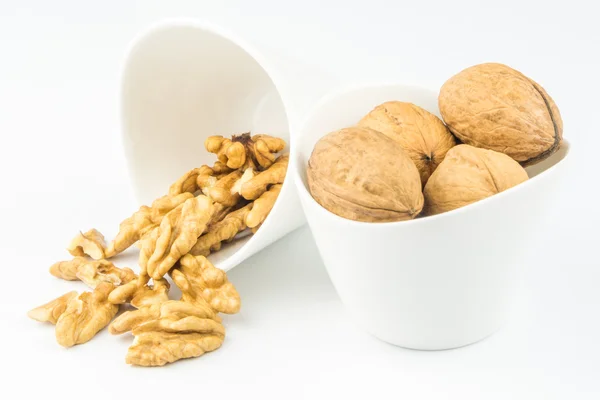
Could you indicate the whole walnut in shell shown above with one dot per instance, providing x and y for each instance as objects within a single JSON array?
[
  {"x": 421, "y": 134},
  {"x": 496, "y": 107},
  {"x": 361, "y": 174},
  {"x": 469, "y": 174}
]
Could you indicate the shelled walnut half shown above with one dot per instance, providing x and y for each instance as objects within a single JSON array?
[
  {"x": 91, "y": 272},
  {"x": 51, "y": 311},
  {"x": 176, "y": 235},
  {"x": 179, "y": 331},
  {"x": 198, "y": 277},
  {"x": 85, "y": 316},
  {"x": 147, "y": 300}
]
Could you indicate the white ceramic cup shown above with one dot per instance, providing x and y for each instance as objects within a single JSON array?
[
  {"x": 432, "y": 283},
  {"x": 185, "y": 80}
]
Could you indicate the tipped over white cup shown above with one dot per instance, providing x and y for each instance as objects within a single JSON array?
[
  {"x": 183, "y": 81},
  {"x": 436, "y": 282}
]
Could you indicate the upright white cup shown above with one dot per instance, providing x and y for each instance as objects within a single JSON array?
[
  {"x": 185, "y": 80},
  {"x": 431, "y": 283}
]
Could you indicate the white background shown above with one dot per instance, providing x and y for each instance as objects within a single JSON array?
[{"x": 62, "y": 170}]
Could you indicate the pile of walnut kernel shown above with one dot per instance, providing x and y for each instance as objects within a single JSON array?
[
  {"x": 204, "y": 208},
  {"x": 401, "y": 162}
]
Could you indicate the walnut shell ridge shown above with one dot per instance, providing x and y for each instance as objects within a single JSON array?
[
  {"x": 420, "y": 133},
  {"x": 361, "y": 174},
  {"x": 495, "y": 107}
]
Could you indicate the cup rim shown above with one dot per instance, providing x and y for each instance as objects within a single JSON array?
[{"x": 304, "y": 193}]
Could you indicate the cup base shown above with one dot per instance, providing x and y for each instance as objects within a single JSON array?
[{"x": 439, "y": 345}]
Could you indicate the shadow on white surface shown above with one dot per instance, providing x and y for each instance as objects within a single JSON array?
[{"x": 287, "y": 275}]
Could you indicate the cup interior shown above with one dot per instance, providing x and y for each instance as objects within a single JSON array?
[{"x": 182, "y": 83}]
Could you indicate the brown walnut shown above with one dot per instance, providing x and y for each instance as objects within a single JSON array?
[
  {"x": 363, "y": 175},
  {"x": 469, "y": 174},
  {"x": 421, "y": 134},
  {"x": 496, "y": 107}
]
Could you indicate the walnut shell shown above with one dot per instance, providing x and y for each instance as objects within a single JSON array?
[
  {"x": 421, "y": 134},
  {"x": 361, "y": 174},
  {"x": 469, "y": 174},
  {"x": 496, "y": 107}
]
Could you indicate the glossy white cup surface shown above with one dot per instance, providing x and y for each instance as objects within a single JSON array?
[
  {"x": 436, "y": 282},
  {"x": 182, "y": 82}
]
